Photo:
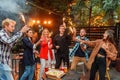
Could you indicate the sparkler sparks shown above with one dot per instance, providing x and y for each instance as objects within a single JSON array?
[{"x": 22, "y": 17}]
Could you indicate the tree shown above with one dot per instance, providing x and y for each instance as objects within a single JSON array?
[
  {"x": 95, "y": 12},
  {"x": 110, "y": 7}
]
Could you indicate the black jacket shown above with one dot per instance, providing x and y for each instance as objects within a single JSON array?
[{"x": 28, "y": 56}]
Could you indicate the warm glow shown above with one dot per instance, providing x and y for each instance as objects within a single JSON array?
[
  {"x": 49, "y": 13},
  {"x": 33, "y": 21},
  {"x": 38, "y": 21},
  {"x": 45, "y": 22},
  {"x": 49, "y": 22}
]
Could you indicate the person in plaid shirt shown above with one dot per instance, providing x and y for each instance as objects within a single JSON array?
[{"x": 6, "y": 43}]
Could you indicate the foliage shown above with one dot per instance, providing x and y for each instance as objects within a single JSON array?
[
  {"x": 76, "y": 8},
  {"x": 18, "y": 47},
  {"x": 84, "y": 12},
  {"x": 96, "y": 12},
  {"x": 52, "y": 5}
]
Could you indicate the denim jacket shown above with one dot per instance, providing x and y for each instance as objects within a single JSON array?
[{"x": 75, "y": 48}]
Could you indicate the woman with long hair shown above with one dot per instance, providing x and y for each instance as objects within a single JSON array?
[
  {"x": 45, "y": 51},
  {"x": 103, "y": 52}
]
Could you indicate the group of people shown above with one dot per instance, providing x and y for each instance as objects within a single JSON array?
[
  {"x": 61, "y": 43},
  {"x": 104, "y": 50}
]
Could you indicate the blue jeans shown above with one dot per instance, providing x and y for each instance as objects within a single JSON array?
[
  {"x": 5, "y": 72},
  {"x": 29, "y": 71}
]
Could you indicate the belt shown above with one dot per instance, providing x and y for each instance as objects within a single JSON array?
[{"x": 99, "y": 55}]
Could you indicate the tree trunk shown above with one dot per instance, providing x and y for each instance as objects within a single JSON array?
[{"x": 111, "y": 18}]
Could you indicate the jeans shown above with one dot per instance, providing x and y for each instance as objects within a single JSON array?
[
  {"x": 44, "y": 64},
  {"x": 42, "y": 67},
  {"x": 5, "y": 72},
  {"x": 29, "y": 71},
  {"x": 100, "y": 65}
]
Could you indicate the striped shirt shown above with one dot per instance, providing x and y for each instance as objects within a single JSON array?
[{"x": 6, "y": 43}]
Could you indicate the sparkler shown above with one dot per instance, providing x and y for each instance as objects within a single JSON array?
[
  {"x": 22, "y": 18},
  {"x": 71, "y": 29},
  {"x": 50, "y": 34}
]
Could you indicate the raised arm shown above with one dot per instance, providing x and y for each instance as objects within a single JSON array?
[
  {"x": 4, "y": 37},
  {"x": 6, "y": 40},
  {"x": 38, "y": 42},
  {"x": 74, "y": 35},
  {"x": 89, "y": 43}
]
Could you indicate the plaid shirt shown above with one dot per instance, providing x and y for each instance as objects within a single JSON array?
[
  {"x": 75, "y": 48},
  {"x": 6, "y": 43}
]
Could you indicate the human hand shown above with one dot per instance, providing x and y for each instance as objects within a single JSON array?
[
  {"x": 81, "y": 41},
  {"x": 74, "y": 30},
  {"x": 36, "y": 52},
  {"x": 24, "y": 29},
  {"x": 50, "y": 46},
  {"x": 57, "y": 47},
  {"x": 40, "y": 39},
  {"x": 76, "y": 39},
  {"x": 38, "y": 42},
  {"x": 112, "y": 56}
]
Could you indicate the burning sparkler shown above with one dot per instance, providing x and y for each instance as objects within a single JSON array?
[
  {"x": 71, "y": 29},
  {"x": 22, "y": 18}
]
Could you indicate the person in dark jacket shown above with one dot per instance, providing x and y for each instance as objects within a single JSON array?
[
  {"x": 28, "y": 56},
  {"x": 61, "y": 44}
]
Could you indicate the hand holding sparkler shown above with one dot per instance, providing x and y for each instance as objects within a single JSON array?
[
  {"x": 25, "y": 27},
  {"x": 74, "y": 30},
  {"x": 22, "y": 18}
]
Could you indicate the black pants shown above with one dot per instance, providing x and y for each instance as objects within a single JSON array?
[
  {"x": 59, "y": 59},
  {"x": 100, "y": 65}
]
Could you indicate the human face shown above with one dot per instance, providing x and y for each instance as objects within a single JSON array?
[
  {"x": 105, "y": 35},
  {"x": 10, "y": 28},
  {"x": 30, "y": 33},
  {"x": 82, "y": 32},
  {"x": 62, "y": 30},
  {"x": 46, "y": 32}
]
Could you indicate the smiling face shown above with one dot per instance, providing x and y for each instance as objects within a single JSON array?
[
  {"x": 30, "y": 33},
  {"x": 108, "y": 36},
  {"x": 10, "y": 27},
  {"x": 105, "y": 35},
  {"x": 45, "y": 33},
  {"x": 82, "y": 32},
  {"x": 62, "y": 29}
]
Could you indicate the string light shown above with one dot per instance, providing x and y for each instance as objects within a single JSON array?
[
  {"x": 33, "y": 21},
  {"x": 45, "y": 22},
  {"x": 38, "y": 21},
  {"x": 49, "y": 11},
  {"x": 49, "y": 22}
]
